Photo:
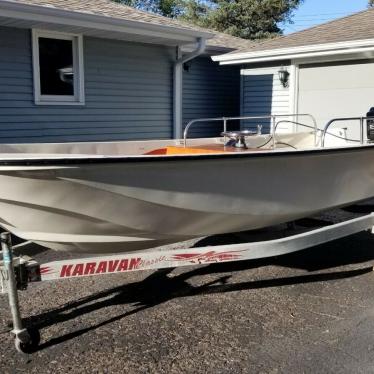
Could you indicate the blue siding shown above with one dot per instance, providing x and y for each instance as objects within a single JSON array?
[
  {"x": 210, "y": 90},
  {"x": 128, "y": 93}
]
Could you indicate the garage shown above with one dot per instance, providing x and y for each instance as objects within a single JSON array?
[
  {"x": 329, "y": 72},
  {"x": 339, "y": 89}
]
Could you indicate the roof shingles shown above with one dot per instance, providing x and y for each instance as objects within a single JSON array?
[
  {"x": 358, "y": 26},
  {"x": 111, "y": 9}
]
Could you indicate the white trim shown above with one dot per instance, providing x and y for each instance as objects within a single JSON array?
[
  {"x": 336, "y": 58},
  {"x": 78, "y": 98},
  {"x": 260, "y": 71},
  {"x": 294, "y": 52},
  {"x": 298, "y": 56},
  {"x": 292, "y": 86},
  {"x": 291, "y": 91},
  {"x": 294, "y": 90},
  {"x": 81, "y": 73},
  {"x": 297, "y": 88}
]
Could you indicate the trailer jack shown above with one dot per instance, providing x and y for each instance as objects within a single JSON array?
[{"x": 13, "y": 277}]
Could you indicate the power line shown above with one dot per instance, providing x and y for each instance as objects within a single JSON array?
[
  {"x": 313, "y": 19},
  {"x": 309, "y": 22},
  {"x": 324, "y": 14},
  {"x": 305, "y": 21},
  {"x": 291, "y": 28},
  {"x": 319, "y": 17}
]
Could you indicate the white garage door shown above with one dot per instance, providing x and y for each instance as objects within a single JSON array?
[{"x": 337, "y": 90}]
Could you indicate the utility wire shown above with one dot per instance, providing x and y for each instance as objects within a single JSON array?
[{"x": 324, "y": 14}]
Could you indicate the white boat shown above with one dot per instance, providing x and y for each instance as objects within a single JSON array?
[{"x": 109, "y": 197}]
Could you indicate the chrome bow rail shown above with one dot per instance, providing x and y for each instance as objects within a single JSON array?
[
  {"x": 272, "y": 117},
  {"x": 361, "y": 120}
]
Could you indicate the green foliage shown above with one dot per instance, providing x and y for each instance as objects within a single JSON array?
[
  {"x": 167, "y": 8},
  {"x": 371, "y": 3},
  {"x": 250, "y": 19}
]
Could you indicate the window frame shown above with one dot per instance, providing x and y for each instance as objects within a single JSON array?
[{"x": 77, "y": 41}]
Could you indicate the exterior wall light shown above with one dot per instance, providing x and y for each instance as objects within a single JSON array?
[{"x": 283, "y": 75}]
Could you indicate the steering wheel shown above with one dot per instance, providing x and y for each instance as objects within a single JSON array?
[{"x": 238, "y": 137}]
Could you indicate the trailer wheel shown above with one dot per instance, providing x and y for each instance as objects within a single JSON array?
[{"x": 29, "y": 344}]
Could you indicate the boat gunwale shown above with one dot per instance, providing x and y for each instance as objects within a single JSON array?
[{"x": 102, "y": 159}]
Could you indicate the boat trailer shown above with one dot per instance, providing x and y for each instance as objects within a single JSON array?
[{"x": 17, "y": 272}]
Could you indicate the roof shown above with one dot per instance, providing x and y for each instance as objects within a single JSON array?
[
  {"x": 99, "y": 18},
  {"x": 110, "y": 9},
  {"x": 356, "y": 27},
  {"x": 222, "y": 40},
  {"x": 120, "y": 12}
]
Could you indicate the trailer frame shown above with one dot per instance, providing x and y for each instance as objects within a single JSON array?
[{"x": 17, "y": 272}]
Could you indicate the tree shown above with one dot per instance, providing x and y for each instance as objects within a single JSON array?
[
  {"x": 167, "y": 8},
  {"x": 371, "y": 3},
  {"x": 250, "y": 19}
]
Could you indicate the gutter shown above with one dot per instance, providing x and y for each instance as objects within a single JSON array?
[
  {"x": 314, "y": 50},
  {"x": 178, "y": 85},
  {"x": 300, "y": 56}
]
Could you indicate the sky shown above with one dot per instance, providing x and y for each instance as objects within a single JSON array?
[{"x": 314, "y": 12}]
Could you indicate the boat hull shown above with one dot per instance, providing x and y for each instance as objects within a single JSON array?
[{"x": 108, "y": 206}]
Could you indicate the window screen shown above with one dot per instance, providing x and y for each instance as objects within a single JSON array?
[{"x": 56, "y": 66}]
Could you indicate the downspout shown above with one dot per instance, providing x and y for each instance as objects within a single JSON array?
[{"x": 178, "y": 85}]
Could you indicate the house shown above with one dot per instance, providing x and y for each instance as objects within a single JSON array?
[
  {"x": 99, "y": 71},
  {"x": 328, "y": 71},
  {"x": 211, "y": 90}
]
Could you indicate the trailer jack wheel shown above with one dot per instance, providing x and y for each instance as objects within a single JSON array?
[{"x": 27, "y": 340}]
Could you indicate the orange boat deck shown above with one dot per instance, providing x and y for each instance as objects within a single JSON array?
[{"x": 201, "y": 149}]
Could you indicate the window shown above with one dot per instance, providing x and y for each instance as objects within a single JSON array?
[{"x": 58, "y": 68}]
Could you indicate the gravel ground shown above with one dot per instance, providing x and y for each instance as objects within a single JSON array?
[{"x": 309, "y": 312}]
